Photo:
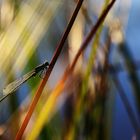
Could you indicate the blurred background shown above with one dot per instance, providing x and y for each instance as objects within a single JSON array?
[{"x": 101, "y": 99}]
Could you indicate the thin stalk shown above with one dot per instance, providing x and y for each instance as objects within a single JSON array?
[
  {"x": 43, "y": 82},
  {"x": 92, "y": 33}
]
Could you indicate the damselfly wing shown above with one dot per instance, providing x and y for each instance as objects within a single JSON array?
[{"x": 15, "y": 84}]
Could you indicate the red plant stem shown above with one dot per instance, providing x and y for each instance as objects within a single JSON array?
[
  {"x": 43, "y": 82},
  {"x": 92, "y": 33}
]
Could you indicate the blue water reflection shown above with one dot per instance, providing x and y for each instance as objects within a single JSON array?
[{"x": 122, "y": 128}]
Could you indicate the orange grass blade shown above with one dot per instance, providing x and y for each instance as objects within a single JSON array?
[{"x": 45, "y": 114}]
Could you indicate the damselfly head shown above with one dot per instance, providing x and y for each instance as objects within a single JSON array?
[{"x": 46, "y": 63}]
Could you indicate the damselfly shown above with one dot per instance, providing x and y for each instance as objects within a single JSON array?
[{"x": 16, "y": 84}]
